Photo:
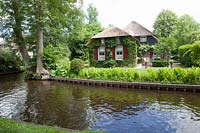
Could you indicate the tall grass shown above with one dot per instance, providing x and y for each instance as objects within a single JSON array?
[{"x": 164, "y": 75}]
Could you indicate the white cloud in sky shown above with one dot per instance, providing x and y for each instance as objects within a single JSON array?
[{"x": 122, "y": 12}]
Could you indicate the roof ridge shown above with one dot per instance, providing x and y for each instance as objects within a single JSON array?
[
  {"x": 114, "y": 31},
  {"x": 143, "y": 27},
  {"x": 136, "y": 29}
]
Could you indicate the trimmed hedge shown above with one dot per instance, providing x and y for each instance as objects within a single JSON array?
[
  {"x": 164, "y": 75},
  {"x": 195, "y": 54},
  {"x": 76, "y": 65},
  {"x": 160, "y": 63},
  {"x": 190, "y": 54},
  {"x": 185, "y": 55}
]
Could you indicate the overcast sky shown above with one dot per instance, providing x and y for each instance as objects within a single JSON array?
[{"x": 121, "y": 12}]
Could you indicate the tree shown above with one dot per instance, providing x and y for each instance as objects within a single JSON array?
[
  {"x": 44, "y": 17},
  {"x": 186, "y": 30},
  {"x": 164, "y": 46},
  {"x": 92, "y": 14},
  {"x": 165, "y": 23},
  {"x": 47, "y": 22},
  {"x": 12, "y": 20},
  {"x": 39, "y": 16},
  {"x": 79, "y": 37}
]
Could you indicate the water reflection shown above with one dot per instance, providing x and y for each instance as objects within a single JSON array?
[
  {"x": 111, "y": 110},
  {"x": 13, "y": 93}
]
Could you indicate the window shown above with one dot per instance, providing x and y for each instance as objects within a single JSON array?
[
  {"x": 143, "y": 39},
  {"x": 117, "y": 40},
  {"x": 119, "y": 53},
  {"x": 102, "y": 41},
  {"x": 101, "y": 53}
]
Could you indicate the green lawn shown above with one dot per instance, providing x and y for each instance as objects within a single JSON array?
[{"x": 10, "y": 126}]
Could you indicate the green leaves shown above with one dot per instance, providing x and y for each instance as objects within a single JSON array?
[
  {"x": 165, "y": 45},
  {"x": 92, "y": 14},
  {"x": 184, "y": 53},
  {"x": 182, "y": 30},
  {"x": 190, "y": 54},
  {"x": 76, "y": 65},
  {"x": 164, "y": 75},
  {"x": 53, "y": 54},
  {"x": 144, "y": 48},
  {"x": 9, "y": 62},
  {"x": 165, "y": 23},
  {"x": 195, "y": 53},
  {"x": 185, "y": 30}
]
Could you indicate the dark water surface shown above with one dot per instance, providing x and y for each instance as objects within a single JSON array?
[{"x": 110, "y": 110}]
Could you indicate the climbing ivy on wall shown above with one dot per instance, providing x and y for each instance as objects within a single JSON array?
[
  {"x": 110, "y": 43},
  {"x": 144, "y": 48}
]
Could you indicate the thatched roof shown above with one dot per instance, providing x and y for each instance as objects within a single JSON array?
[
  {"x": 135, "y": 29},
  {"x": 111, "y": 32}
]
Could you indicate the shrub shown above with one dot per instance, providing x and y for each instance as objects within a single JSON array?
[
  {"x": 106, "y": 63},
  {"x": 52, "y": 54},
  {"x": 185, "y": 55},
  {"x": 110, "y": 63},
  {"x": 165, "y": 75},
  {"x": 62, "y": 68},
  {"x": 76, "y": 65},
  {"x": 160, "y": 63},
  {"x": 195, "y": 54},
  {"x": 9, "y": 61}
]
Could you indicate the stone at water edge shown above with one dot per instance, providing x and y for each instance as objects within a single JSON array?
[{"x": 44, "y": 77}]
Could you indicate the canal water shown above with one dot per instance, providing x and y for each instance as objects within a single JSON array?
[{"x": 111, "y": 110}]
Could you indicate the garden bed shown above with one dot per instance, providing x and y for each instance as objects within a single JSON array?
[{"x": 163, "y": 75}]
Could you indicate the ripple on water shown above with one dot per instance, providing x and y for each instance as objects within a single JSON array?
[
  {"x": 12, "y": 103},
  {"x": 111, "y": 110}
]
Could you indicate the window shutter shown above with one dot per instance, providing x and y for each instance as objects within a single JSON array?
[
  {"x": 113, "y": 53},
  {"x": 95, "y": 52},
  {"x": 106, "y": 53},
  {"x": 125, "y": 52}
]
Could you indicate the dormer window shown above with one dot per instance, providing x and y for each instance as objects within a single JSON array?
[
  {"x": 143, "y": 38},
  {"x": 117, "y": 40},
  {"x": 101, "y": 53},
  {"x": 102, "y": 41}
]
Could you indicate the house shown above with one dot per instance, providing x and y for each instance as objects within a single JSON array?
[
  {"x": 143, "y": 35},
  {"x": 118, "y": 47},
  {"x": 5, "y": 44},
  {"x": 2, "y": 43},
  {"x": 113, "y": 47}
]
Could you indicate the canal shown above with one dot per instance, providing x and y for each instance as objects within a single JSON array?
[{"x": 112, "y": 110}]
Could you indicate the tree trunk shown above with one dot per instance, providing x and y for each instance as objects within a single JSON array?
[
  {"x": 22, "y": 47},
  {"x": 40, "y": 69},
  {"x": 18, "y": 32},
  {"x": 24, "y": 52}
]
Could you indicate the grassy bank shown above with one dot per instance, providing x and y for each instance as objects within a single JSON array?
[
  {"x": 164, "y": 75},
  {"x": 10, "y": 126}
]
